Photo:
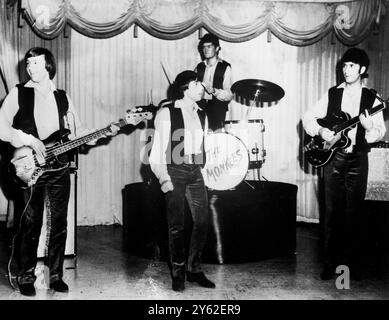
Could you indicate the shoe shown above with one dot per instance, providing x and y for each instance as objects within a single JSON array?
[
  {"x": 327, "y": 273},
  {"x": 356, "y": 274},
  {"x": 59, "y": 286},
  {"x": 178, "y": 284},
  {"x": 27, "y": 289},
  {"x": 200, "y": 278}
]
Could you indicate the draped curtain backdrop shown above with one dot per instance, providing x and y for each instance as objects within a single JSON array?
[
  {"x": 231, "y": 20},
  {"x": 114, "y": 51}
]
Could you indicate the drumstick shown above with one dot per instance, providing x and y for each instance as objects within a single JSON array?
[
  {"x": 164, "y": 71},
  {"x": 205, "y": 88}
]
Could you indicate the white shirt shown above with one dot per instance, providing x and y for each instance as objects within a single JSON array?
[
  {"x": 193, "y": 137},
  {"x": 351, "y": 101}
]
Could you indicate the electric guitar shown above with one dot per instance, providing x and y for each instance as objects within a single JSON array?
[
  {"x": 28, "y": 168},
  {"x": 319, "y": 152}
]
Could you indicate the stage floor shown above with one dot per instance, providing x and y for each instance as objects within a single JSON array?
[{"x": 105, "y": 270}]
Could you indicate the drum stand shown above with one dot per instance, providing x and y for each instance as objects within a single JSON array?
[{"x": 257, "y": 164}]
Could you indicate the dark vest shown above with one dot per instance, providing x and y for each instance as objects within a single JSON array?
[
  {"x": 24, "y": 119},
  {"x": 218, "y": 77},
  {"x": 216, "y": 110},
  {"x": 177, "y": 123},
  {"x": 334, "y": 106}
]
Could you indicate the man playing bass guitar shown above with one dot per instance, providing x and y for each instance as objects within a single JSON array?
[
  {"x": 345, "y": 174},
  {"x": 32, "y": 112}
]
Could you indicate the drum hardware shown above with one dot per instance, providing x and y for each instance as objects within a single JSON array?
[
  {"x": 258, "y": 90},
  {"x": 251, "y": 133},
  {"x": 240, "y": 147}
]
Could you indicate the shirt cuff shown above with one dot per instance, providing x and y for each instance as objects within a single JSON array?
[
  {"x": 372, "y": 135},
  {"x": 223, "y": 95},
  {"x": 23, "y": 139},
  {"x": 164, "y": 178},
  {"x": 313, "y": 128}
]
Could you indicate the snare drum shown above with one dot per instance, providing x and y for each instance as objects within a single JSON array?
[
  {"x": 227, "y": 161},
  {"x": 251, "y": 133}
]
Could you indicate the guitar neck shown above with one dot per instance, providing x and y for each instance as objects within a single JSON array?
[
  {"x": 67, "y": 146},
  {"x": 352, "y": 122}
]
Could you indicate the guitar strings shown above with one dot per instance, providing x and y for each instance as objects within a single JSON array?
[{"x": 50, "y": 151}]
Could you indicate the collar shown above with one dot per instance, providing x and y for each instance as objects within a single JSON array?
[
  {"x": 32, "y": 84},
  {"x": 343, "y": 85},
  {"x": 180, "y": 105},
  {"x": 217, "y": 61}
]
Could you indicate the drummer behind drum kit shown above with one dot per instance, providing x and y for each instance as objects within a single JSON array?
[{"x": 230, "y": 154}]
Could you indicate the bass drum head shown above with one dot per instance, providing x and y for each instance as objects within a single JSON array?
[{"x": 227, "y": 161}]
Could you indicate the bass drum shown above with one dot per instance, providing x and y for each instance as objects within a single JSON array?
[{"x": 227, "y": 161}]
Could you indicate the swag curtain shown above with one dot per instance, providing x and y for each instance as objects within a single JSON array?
[{"x": 298, "y": 23}]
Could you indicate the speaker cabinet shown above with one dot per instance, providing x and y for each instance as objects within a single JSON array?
[{"x": 70, "y": 249}]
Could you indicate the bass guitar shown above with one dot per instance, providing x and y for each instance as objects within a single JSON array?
[
  {"x": 319, "y": 152},
  {"x": 27, "y": 167}
]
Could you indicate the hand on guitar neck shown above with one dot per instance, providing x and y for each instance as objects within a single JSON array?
[
  {"x": 366, "y": 120},
  {"x": 113, "y": 131}
]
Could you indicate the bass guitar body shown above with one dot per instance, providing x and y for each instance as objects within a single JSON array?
[{"x": 27, "y": 167}]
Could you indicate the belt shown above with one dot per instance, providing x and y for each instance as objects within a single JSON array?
[
  {"x": 347, "y": 150},
  {"x": 194, "y": 158},
  {"x": 354, "y": 149}
]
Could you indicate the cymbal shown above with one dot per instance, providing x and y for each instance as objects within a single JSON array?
[{"x": 267, "y": 91}]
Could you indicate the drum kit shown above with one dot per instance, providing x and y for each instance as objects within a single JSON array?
[{"x": 239, "y": 147}]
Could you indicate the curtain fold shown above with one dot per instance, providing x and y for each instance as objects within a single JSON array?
[
  {"x": 8, "y": 67},
  {"x": 8, "y": 55},
  {"x": 299, "y": 23}
]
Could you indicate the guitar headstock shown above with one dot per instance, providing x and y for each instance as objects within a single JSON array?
[{"x": 137, "y": 115}]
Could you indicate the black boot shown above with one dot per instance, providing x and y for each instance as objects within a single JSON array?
[
  {"x": 200, "y": 278},
  {"x": 27, "y": 289},
  {"x": 59, "y": 286},
  {"x": 178, "y": 284},
  {"x": 328, "y": 272}
]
